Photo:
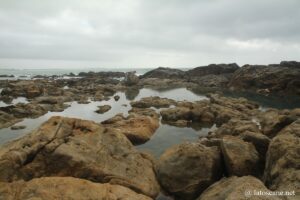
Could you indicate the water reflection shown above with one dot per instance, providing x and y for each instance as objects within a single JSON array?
[
  {"x": 87, "y": 111},
  {"x": 167, "y": 136},
  {"x": 14, "y": 101}
]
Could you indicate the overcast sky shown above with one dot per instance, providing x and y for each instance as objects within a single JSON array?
[{"x": 147, "y": 33}]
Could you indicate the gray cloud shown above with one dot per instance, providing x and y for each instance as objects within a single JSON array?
[{"x": 144, "y": 33}]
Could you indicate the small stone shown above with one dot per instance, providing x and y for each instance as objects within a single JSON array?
[{"x": 17, "y": 127}]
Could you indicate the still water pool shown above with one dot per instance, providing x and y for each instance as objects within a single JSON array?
[{"x": 164, "y": 137}]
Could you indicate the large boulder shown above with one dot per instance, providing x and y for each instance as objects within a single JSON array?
[
  {"x": 78, "y": 148},
  {"x": 282, "y": 170},
  {"x": 259, "y": 140},
  {"x": 164, "y": 73},
  {"x": 137, "y": 128},
  {"x": 237, "y": 188},
  {"x": 282, "y": 78},
  {"x": 66, "y": 188},
  {"x": 188, "y": 169},
  {"x": 241, "y": 158}
]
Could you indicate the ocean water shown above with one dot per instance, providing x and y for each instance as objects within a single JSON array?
[{"x": 61, "y": 71}]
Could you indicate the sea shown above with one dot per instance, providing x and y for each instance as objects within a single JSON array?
[{"x": 22, "y": 73}]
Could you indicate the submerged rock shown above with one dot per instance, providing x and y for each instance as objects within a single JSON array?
[
  {"x": 78, "y": 148},
  {"x": 66, "y": 188},
  {"x": 17, "y": 127},
  {"x": 117, "y": 97},
  {"x": 188, "y": 169},
  {"x": 236, "y": 188},
  {"x": 103, "y": 109}
]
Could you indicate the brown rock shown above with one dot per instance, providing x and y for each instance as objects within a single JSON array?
[
  {"x": 175, "y": 114},
  {"x": 21, "y": 110},
  {"x": 272, "y": 121},
  {"x": 131, "y": 79},
  {"x": 260, "y": 141},
  {"x": 117, "y": 97},
  {"x": 137, "y": 128},
  {"x": 236, "y": 188},
  {"x": 282, "y": 170},
  {"x": 241, "y": 158},
  {"x": 188, "y": 169},
  {"x": 156, "y": 102},
  {"x": 6, "y": 120},
  {"x": 17, "y": 127},
  {"x": 103, "y": 109},
  {"x": 77, "y": 148},
  {"x": 237, "y": 127},
  {"x": 66, "y": 188}
]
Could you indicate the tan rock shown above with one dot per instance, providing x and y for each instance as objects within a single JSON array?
[
  {"x": 282, "y": 170},
  {"x": 156, "y": 102},
  {"x": 236, "y": 188},
  {"x": 7, "y": 120},
  {"x": 103, "y": 109},
  {"x": 78, "y": 148},
  {"x": 241, "y": 158},
  {"x": 66, "y": 188},
  {"x": 272, "y": 121},
  {"x": 137, "y": 128},
  {"x": 188, "y": 169}
]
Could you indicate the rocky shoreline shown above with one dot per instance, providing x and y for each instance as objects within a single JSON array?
[{"x": 252, "y": 149}]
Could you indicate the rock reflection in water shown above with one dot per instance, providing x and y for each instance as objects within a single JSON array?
[{"x": 164, "y": 137}]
